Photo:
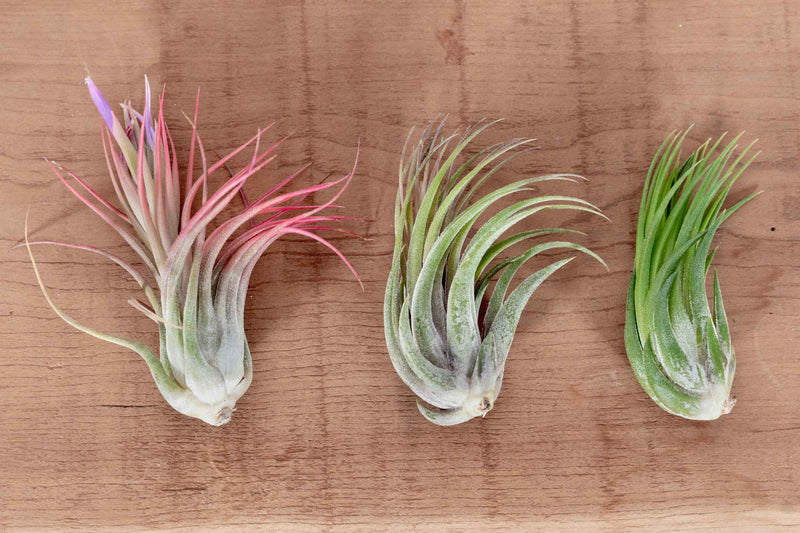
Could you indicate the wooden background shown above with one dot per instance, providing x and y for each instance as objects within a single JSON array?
[{"x": 328, "y": 438}]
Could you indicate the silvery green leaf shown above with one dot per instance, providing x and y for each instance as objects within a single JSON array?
[{"x": 443, "y": 266}]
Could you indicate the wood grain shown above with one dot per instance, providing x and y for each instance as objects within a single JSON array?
[{"x": 328, "y": 438}]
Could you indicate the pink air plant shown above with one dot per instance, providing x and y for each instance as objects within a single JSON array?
[{"x": 201, "y": 276}]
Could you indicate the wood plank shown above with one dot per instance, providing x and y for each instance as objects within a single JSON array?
[{"x": 328, "y": 438}]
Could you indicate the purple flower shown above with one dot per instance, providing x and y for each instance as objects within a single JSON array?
[{"x": 100, "y": 103}]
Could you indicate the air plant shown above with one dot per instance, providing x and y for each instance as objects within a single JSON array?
[
  {"x": 679, "y": 349},
  {"x": 439, "y": 275},
  {"x": 201, "y": 275}
]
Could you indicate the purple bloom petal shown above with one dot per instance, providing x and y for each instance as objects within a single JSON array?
[
  {"x": 100, "y": 103},
  {"x": 148, "y": 123}
]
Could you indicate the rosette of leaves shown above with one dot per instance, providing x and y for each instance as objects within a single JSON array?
[
  {"x": 678, "y": 344},
  {"x": 448, "y": 342},
  {"x": 196, "y": 268}
]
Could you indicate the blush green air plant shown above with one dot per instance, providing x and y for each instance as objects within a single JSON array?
[
  {"x": 680, "y": 349},
  {"x": 439, "y": 274},
  {"x": 201, "y": 275}
]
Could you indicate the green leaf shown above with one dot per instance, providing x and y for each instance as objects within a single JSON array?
[
  {"x": 440, "y": 273},
  {"x": 681, "y": 355},
  {"x": 505, "y": 324}
]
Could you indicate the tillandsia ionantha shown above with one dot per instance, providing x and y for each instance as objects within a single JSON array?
[
  {"x": 201, "y": 275},
  {"x": 439, "y": 275},
  {"x": 679, "y": 349}
]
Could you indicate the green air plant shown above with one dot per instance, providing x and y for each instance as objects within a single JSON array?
[
  {"x": 439, "y": 275},
  {"x": 680, "y": 349},
  {"x": 201, "y": 275}
]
